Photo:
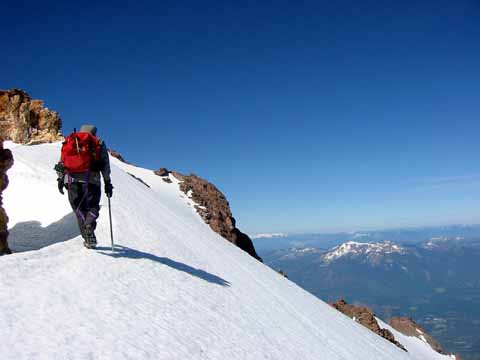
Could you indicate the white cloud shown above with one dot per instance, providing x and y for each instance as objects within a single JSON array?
[
  {"x": 437, "y": 181},
  {"x": 269, "y": 235}
]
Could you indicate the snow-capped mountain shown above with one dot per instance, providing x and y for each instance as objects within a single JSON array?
[
  {"x": 372, "y": 252},
  {"x": 172, "y": 289}
]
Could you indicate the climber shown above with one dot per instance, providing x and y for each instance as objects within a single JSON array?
[{"x": 83, "y": 158}]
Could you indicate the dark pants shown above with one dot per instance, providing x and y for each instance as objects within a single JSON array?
[{"x": 85, "y": 201}]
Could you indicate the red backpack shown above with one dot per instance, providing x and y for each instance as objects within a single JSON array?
[{"x": 81, "y": 153}]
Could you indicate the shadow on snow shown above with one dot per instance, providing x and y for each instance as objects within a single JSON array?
[
  {"x": 30, "y": 235},
  {"x": 125, "y": 252}
]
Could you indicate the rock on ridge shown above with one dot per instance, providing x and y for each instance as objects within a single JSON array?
[
  {"x": 27, "y": 121},
  {"x": 366, "y": 317},
  {"x": 213, "y": 207},
  {"x": 6, "y": 162},
  {"x": 118, "y": 156},
  {"x": 409, "y": 327}
]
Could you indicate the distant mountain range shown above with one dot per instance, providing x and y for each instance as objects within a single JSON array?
[
  {"x": 275, "y": 241},
  {"x": 431, "y": 274}
]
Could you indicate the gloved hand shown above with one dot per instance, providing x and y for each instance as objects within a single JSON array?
[
  {"x": 61, "y": 185},
  {"x": 108, "y": 189}
]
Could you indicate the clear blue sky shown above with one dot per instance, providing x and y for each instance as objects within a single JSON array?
[{"x": 310, "y": 116}]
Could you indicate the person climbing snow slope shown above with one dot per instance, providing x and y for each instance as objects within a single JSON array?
[{"x": 83, "y": 158}]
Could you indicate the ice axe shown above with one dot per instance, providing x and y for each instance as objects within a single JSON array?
[{"x": 111, "y": 227}]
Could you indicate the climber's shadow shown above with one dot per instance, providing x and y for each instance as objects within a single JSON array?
[
  {"x": 125, "y": 252},
  {"x": 30, "y": 235}
]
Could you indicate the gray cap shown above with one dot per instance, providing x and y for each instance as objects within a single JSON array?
[{"x": 92, "y": 129}]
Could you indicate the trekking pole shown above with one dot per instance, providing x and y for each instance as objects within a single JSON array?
[{"x": 111, "y": 228}]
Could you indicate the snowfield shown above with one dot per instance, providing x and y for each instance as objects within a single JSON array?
[{"x": 173, "y": 289}]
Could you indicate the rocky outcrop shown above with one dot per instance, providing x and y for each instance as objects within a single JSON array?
[
  {"x": 409, "y": 327},
  {"x": 6, "y": 162},
  {"x": 27, "y": 121},
  {"x": 213, "y": 207},
  {"x": 163, "y": 172},
  {"x": 366, "y": 317},
  {"x": 117, "y": 155}
]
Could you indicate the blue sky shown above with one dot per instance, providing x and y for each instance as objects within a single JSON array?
[{"x": 311, "y": 116}]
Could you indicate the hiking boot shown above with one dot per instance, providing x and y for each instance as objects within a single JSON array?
[
  {"x": 90, "y": 239},
  {"x": 90, "y": 243}
]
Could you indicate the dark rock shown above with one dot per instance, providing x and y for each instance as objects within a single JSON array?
[
  {"x": 162, "y": 172},
  {"x": 139, "y": 180},
  {"x": 366, "y": 317},
  {"x": 167, "y": 180},
  {"x": 6, "y": 162},
  {"x": 213, "y": 207},
  {"x": 409, "y": 327},
  {"x": 117, "y": 155}
]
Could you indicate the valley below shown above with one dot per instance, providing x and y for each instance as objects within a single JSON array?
[{"x": 434, "y": 281}]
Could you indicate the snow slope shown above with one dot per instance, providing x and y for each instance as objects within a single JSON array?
[
  {"x": 419, "y": 349},
  {"x": 173, "y": 289}
]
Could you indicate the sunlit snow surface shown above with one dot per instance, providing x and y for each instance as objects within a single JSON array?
[{"x": 172, "y": 290}]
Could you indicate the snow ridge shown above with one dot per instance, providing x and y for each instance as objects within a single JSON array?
[{"x": 173, "y": 289}]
